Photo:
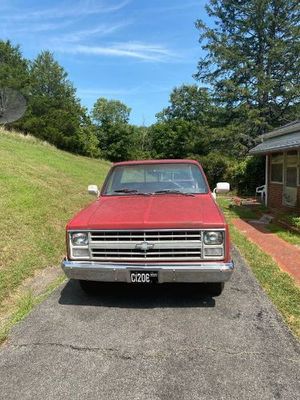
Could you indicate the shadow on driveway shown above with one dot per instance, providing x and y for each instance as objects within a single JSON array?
[{"x": 134, "y": 296}]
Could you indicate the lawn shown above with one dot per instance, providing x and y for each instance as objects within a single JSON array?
[
  {"x": 248, "y": 213},
  {"x": 279, "y": 286},
  {"x": 40, "y": 189}
]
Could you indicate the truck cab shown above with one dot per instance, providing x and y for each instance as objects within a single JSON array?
[{"x": 153, "y": 222}]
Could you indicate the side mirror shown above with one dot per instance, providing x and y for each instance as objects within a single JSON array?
[
  {"x": 93, "y": 189},
  {"x": 222, "y": 187}
]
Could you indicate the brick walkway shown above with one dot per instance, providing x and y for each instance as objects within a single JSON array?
[{"x": 285, "y": 254}]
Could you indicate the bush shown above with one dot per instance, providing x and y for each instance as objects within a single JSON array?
[
  {"x": 247, "y": 174},
  {"x": 243, "y": 175},
  {"x": 215, "y": 166},
  {"x": 88, "y": 143}
]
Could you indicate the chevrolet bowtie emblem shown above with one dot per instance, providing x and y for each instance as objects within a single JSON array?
[{"x": 144, "y": 246}]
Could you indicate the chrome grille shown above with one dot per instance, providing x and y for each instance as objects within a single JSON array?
[{"x": 161, "y": 245}]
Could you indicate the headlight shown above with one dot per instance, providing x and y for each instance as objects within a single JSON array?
[
  {"x": 213, "y": 237},
  {"x": 79, "y": 238},
  {"x": 213, "y": 251},
  {"x": 81, "y": 253}
]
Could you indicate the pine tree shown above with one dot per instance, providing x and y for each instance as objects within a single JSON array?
[
  {"x": 253, "y": 60},
  {"x": 54, "y": 113},
  {"x": 14, "y": 72}
]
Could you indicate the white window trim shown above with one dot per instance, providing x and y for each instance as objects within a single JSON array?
[
  {"x": 298, "y": 170},
  {"x": 267, "y": 179},
  {"x": 285, "y": 166},
  {"x": 283, "y": 159},
  {"x": 284, "y": 177}
]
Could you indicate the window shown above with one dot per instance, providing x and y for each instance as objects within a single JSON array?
[
  {"x": 156, "y": 177},
  {"x": 277, "y": 168},
  {"x": 291, "y": 168}
]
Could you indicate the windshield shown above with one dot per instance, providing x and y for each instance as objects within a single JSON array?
[{"x": 155, "y": 179}]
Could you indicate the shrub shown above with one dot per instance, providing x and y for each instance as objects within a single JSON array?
[
  {"x": 215, "y": 166},
  {"x": 245, "y": 175}
]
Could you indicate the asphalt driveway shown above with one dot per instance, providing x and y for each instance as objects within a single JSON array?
[{"x": 163, "y": 343}]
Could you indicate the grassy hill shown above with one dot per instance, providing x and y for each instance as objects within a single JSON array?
[{"x": 40, "y": 189}]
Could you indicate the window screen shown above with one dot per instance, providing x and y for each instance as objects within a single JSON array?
[{"x": 277, "y": 168}]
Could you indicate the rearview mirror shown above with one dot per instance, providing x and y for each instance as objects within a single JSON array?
[
  {"x": 222, "y": 187},
  {"x": 93, "y": 189}
]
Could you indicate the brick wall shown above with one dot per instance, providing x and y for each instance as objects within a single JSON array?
[{"x": 275, "y": 196}]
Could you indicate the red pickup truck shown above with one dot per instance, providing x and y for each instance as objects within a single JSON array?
[{"x": 154, "y": 221}]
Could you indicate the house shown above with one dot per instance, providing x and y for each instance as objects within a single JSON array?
[{"x": 281, "y": 148}]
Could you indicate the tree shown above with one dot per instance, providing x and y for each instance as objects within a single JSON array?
[
  {"x": 110, "y": 112},
  {"x": 253, "y": 60},
  {"x": 116, "y": 141},
  {"x": 54, "y": 113},
  {"x": 141, "y": 148},
  {"x": 176, "y": 139},
  {"x": 188, "y": 102},
  {"x": 14, "y": 69},
  {"x": 14, "y": 74},
  {"x": 88, "y": 141},
  {"x": 116, "y": 137}
]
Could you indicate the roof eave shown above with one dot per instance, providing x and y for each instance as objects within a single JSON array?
[
  {"x": 272, "y": 150},
  {"x": 281, "y": 131}
]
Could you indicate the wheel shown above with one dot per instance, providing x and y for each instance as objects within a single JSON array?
[
  {"x": 89, "y": 287},
  {"x": 215, "y": 288}
]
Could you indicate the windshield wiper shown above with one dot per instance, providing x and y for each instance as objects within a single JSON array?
[
  {"x": 173, "y": 191},
  {"x": 165, "y": 191},
  {"x": 131, "y": 191},
  {"x": 125, "y": 191}
]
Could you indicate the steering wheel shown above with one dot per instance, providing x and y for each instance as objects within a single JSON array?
[{"x": 177, "y": 185}]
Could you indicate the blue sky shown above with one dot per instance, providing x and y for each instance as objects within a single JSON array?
[{"x": 136, "y": 51}]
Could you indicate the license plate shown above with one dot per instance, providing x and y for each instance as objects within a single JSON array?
[{"x": 143, "y": 277}]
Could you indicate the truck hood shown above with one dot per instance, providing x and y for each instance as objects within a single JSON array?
[{"x": 149, "y": 212}]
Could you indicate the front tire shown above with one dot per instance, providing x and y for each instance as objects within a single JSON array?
[{"x": 215, "y": 289}]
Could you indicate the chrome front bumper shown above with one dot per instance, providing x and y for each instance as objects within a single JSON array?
[{"x": 105, "y": 272}]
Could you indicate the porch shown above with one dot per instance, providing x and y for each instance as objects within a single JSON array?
[{"x": 281, "y": 149}]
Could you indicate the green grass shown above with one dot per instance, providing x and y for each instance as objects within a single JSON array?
[
  {"x": 40, "y": 190},
  {"x": 24, "y": 306},
  {"x": 288, "y": 236},
  {"x": 279, "y": 286},
  {"x": 291, "y": 219},
  {"x": 248, "y": 213}
]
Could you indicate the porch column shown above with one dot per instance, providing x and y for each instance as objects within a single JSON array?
[{"x": 266, "y": 179}]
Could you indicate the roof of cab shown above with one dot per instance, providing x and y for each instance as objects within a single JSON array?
[{"x": 169, "y": 161}]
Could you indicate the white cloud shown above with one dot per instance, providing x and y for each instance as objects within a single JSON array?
[
  {"x": 100, "y": 30},
  {"x": 144, "y": 88},
  {"x": 71, "y": 10},
  {"x": 85, "y": 41},
  {"x": 58, "y": 19},
  {"x": 91, "y": 93},
  {"x": 142, "y": 51},
  {"x": 39, "y": 27}
]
